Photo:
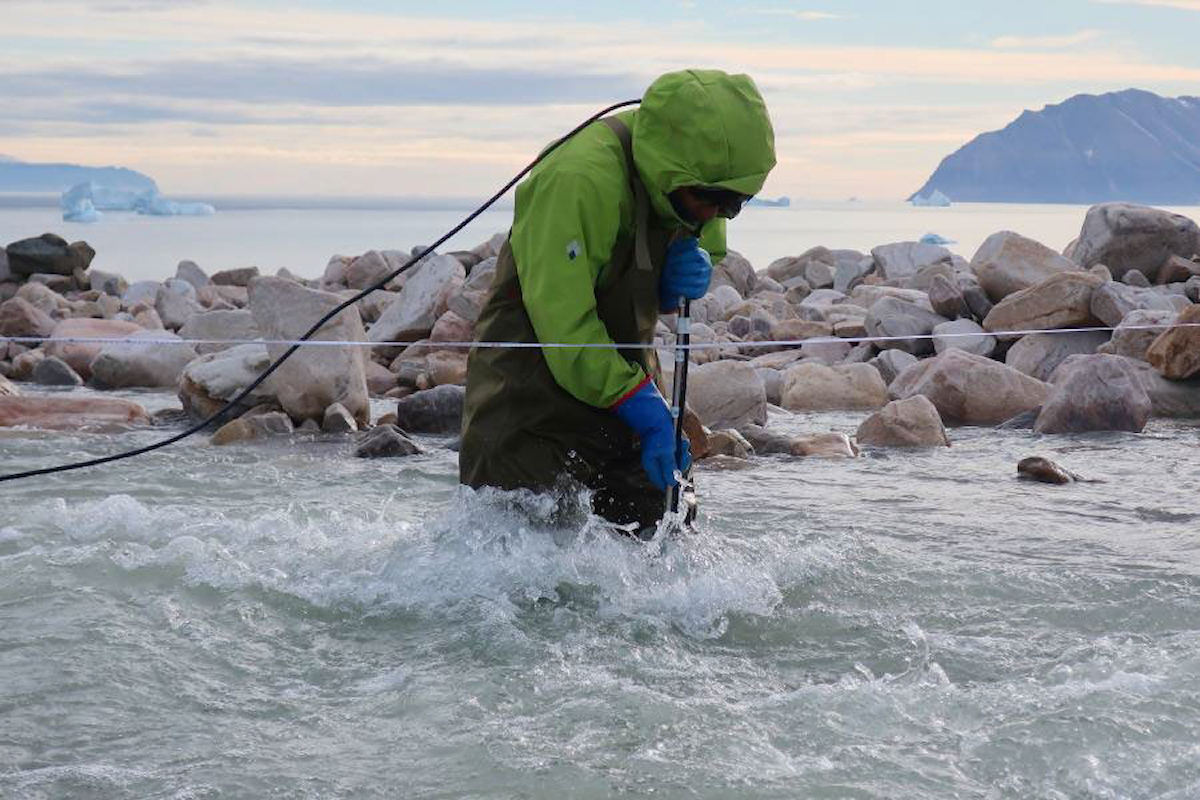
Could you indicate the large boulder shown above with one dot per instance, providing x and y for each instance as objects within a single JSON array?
[
  {"x": 1127, "y": 237},
  {"x": 905, "y": 259},
  {"x": 55, "y": 372},
  {"x": 1094, "y": 393},
  {"x": 1112, "y": 302},
  {"x": 44, "y": 298},
  {"x": 1061, "y": 301},
  {"x": 214, "y": 328},
  {"x": 156, "y": 364},
  {"x": 1177, "y": 399},
  {"x": 187, "y": 271},
  {"x": 893, "y": 317},
  {"x": 69, "y": 412},
  {"x": 969, "y": 389},
  {"x": 913, "y": 422},
  {"x": 963, "y": 334},
  {"x": 313, "y": 378},
  {"x": 366, "y": 270},
  {"x": 891, "y": 363},
  {"x": 239, "y": 277},
  {"x": 1039, "y": 354},
  {"x": 816, "y": 387},
  {"x": 79, "y": 354},
  {"x": 727, "y": 394},
  {"x": 48, "y": 253},
  {"x": 210, "y": 381},
  {"x": 1176, "y": 351},
  {"x": 424, "y": 298},
  {"x": 1137, "y": 331},
  {"x": 1008, "y": 262},
  {"x": 19, "y": 317},
  {"x": 176, "y": 303},
  {"x": 946, "y": 297},
  {"x": 437, "y": 410}
]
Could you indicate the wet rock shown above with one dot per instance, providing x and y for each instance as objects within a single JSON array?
[
  {"x": 338, "y": 420},
  {"x": 824, "y": 445},
  {"x": 1175, "y": 353},
  {"x": 963, "y": 334},
  {"x": 55, "y": 372},
  {"x": 728, "y": 443},
  {"x": 385, "y": 441},
  {"x": 891, "y": 363},
  {"x": 209, "y": 381},
  {"x": 1137, "y": 331},
  {"x": 1094, "y": 393},
  {"x": 119, "y": 366},
  {"x": 1112, "y": 302},
  {"x": 48, "y": 253},
  {"x": 241, "y": 277},
  {"x": 892, "y": 317},
  {"x": 1039, "y": 354},
  {"x": 1008, "y": 262},
  {"x": 816, "y": 387},
  {"x": 313, "y": 378},
  {"x": 772, "y": 383},
  {"x": 1130, "y": 237},
  {"x": 424, "y": 298},
  {"x": 222, "y": 326},
  {"x": 727, "y": 394},
  {"x": 912, "y": 422},
  {"x": 8, "y": 388},
  {"x": 250, "y": 427},
  {"x": 66, "y": 412},
  {"x": 904, "y": 259},
  {"x": 1043, "y": 470},
  {"x": 23, "y": 364},
  {"x": 19, "y": 317},
  {"x": 766, "y": 442},
  {"x": 1174, "y": 399},
  {"x": 437, "y": 410},
  {"x": 1021, "y": 422},
  {"x": 1062, "y": 301},
  {"x": 970, "y": 390},
  {"x": 81, "y": 354}
]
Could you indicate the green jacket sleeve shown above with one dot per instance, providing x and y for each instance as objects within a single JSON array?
[
  {"x": 565, "y": 226},
  {"x": 712, "y": 239}
]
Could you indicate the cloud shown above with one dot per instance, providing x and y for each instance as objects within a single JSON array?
[
  {"x": 324, "y": 82},
  {"x": 1047, "y": 42}
]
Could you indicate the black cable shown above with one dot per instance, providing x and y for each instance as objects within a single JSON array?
[{"x": 379, "y": 284}]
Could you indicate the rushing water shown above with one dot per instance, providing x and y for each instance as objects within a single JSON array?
[{"x": 285, "y": 620}]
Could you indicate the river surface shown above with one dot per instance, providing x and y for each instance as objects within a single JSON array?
[{"x": 287, "y": 621}]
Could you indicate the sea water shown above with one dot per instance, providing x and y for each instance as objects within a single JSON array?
[
  {"x": 285, "y": 620},
  {"x": 256, "y": 232}
]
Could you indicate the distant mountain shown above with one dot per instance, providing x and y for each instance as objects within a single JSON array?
[
  {"x": 18, "y": 176},
  {"x": 1131, "y": 145}
]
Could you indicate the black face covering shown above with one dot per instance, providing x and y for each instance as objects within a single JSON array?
[{"x": 729, "y": 203}]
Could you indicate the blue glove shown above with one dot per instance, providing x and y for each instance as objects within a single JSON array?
[
  {"x": 646, "y": 412},
  {"x": 686, "y": 273}
]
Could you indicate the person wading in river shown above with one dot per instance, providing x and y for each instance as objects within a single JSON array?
[{"x": 614, "y": 227}]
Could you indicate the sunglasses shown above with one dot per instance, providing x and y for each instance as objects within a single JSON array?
[{"x": 728, "y": 202}]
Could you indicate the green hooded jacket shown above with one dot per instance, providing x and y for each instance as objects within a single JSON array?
[
  {"x": 693, "y": 128},
  {"x": 582, "y": 265}
]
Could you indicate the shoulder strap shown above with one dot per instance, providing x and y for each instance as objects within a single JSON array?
[{"x": 641, "y": 246}]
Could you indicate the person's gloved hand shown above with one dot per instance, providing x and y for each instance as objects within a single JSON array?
[
  {"x": 686, "y": 273},
  {"x": 646, "y": 412}
]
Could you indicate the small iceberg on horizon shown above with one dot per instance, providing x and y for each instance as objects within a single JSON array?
[
  {"x": 934, "y": 199},
  {"x": 782, "y": 202},
  {"x": 935, "y": 238},
  {"x": 85, "y": 201}
]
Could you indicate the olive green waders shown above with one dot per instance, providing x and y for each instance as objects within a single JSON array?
[{"x": 521, "y": 430}]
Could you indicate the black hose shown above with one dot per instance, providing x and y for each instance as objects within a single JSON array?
[{"x": 379, "y": 284}]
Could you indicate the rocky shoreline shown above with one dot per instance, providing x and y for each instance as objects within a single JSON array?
[{"x": 913, "y": 336}]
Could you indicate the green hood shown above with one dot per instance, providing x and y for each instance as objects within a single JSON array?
[{"x": 702, "y": 128}]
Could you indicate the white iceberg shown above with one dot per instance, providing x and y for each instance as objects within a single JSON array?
[
  {"x": 84, "y": 201},
  {"x": 934, "y": 199},
  {"x": 936, "y": 238}
]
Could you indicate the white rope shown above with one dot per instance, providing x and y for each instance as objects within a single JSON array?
[{"x": 35, "y": 341}]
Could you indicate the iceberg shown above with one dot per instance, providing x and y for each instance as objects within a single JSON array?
[
  {"x": 935, "y": 199},
  {"x": 83, "y": 202},
  {"x": 782, "y": 202},
  {"x": 935, "y": 238}
]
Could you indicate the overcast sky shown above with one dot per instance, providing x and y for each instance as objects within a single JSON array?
[{"x": 398, "y": 98}]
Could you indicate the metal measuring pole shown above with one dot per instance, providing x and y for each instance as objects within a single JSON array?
[{"x": 683, "y": 338}]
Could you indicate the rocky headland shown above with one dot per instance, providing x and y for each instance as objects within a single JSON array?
[{"x": 1101, "y": 337}]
